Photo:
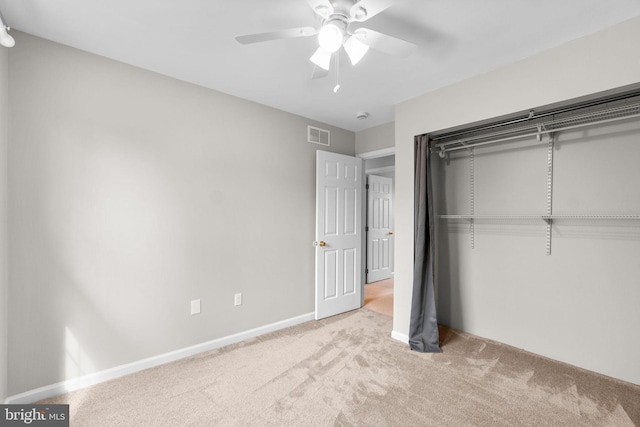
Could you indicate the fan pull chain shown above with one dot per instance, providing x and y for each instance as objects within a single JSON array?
[{"x": 337, "y": 86}]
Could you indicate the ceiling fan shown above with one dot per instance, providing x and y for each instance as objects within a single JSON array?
[
  {"x": 340, "y": 28},
  {"x": 5, "y": 39}
]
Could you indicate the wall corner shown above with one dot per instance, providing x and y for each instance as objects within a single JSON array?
[{"x": 4, "y": 277}]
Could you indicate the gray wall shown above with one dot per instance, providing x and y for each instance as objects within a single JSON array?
[
  {"x": 488, "y": 305},
  {"x": 132, "y": 194},
  {"x": 4, "y": 306},
  {"x": 375, "y": 138}
]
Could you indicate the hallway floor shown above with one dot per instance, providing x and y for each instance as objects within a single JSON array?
[{"x": 378, "y": 296}]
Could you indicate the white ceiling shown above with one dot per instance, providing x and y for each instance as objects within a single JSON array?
[{"x": 193, "y": 40}]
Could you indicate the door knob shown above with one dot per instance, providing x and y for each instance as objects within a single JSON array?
[
  {"x": 390, "y": 233},
  {"x": 320, "y": 243}
]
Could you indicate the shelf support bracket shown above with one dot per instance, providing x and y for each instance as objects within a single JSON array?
[{"x": 541, "y": 128}]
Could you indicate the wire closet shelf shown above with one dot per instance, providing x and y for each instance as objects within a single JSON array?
[
  {"x": 542, "y": 126},
  {"x": 532, "y": 126}
]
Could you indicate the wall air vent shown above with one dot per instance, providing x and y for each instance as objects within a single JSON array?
[{"x": 318, "y": 136}]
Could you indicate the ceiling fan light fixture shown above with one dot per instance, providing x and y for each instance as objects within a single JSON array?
[
  {"x": 355, "y": 49},
  {"x": 322, "y": 58},
  {"x": 5, "y": 39},
  {"x": 330, "y": 37}
]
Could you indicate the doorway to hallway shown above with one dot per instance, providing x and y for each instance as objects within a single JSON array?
[{"x": 378, "y": 296}]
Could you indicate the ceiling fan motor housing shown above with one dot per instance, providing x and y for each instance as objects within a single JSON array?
[{"x": 342, "y": 12}]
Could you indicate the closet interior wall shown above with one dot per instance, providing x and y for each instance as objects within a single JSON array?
[{"x": 496, "y": 279}]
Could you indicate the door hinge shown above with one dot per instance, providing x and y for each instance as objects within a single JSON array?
[
  {"x": 366, "y": 271},
  {"x": 366, "y": 228},
  {"x": 367, "y": 186}
]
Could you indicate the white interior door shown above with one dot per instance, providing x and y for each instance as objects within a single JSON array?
[
  {"x": 338, "y": 233},
  {"x": 379, "y": 228}
]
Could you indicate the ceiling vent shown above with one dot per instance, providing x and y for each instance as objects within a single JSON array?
[{"x": 317, "y": 136}]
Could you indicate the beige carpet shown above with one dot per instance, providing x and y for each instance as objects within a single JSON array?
[
  {"x": 378, "y": 296},
  {"x": 347, "y": 371}
]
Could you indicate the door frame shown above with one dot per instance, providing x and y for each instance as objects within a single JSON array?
[{"x": 384, "y": 152}]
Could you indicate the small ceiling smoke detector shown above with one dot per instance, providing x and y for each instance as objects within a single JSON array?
[{"x": 363, "y": 115}]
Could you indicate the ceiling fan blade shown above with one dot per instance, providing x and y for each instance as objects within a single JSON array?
[
  {"x": 366, "y": 9},
  {"x": 322, "y": 58},
  {"x": 276, "y": 35},
  {"x": 385, "y": 43},
  {"x": 321, "y": 7}
]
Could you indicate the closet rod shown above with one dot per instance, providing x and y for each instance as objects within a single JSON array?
[
  {"x": 568, "y": 109},
  {"x": 590, "y": 117},
  {"x": 466, "y": 145}
]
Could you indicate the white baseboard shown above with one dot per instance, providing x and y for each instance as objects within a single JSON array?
[
  {"x": 63, "y": 387},
  {"x": 400, "y": 337}
]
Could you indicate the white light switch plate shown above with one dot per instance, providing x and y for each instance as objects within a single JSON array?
[{"x": 195, "y": 306}]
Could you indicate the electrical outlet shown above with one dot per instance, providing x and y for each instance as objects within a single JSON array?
[
  {"x": 237, "y": 299},
  {"x": 195, "y": 306}
]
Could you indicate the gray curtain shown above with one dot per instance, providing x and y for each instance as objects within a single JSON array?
[{"x": 423, "y": 327}]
